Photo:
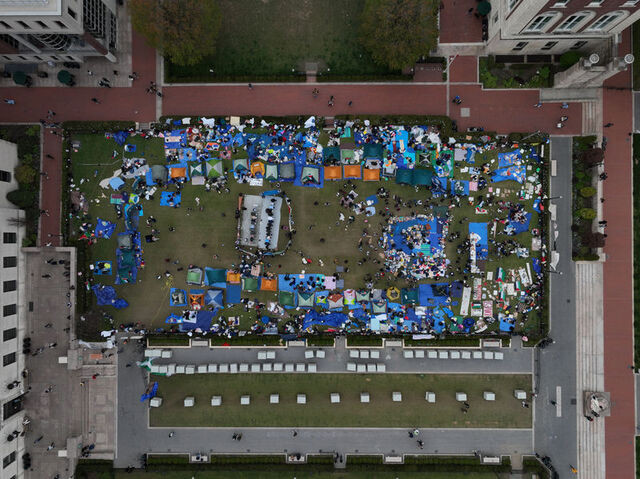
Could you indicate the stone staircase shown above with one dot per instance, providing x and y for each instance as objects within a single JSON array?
[
  {"x": 590, "y": 366},
  {"x": 592, "y": 118}
]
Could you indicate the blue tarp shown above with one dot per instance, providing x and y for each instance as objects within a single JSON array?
[
  {"x": 537, "y": 267},
  {"x": 120, "y": 137},
  {"x": 203, "y": 321},
  {"x": 175, "y": 292},
  {"x": 515, "y": 227},
  {"x": 166, "y": 197},
  {"x": 460, "y": 187},
  {"x": 104, "y": 229},
  {"x": 213, "y": 297},
  {"x": 150, "y": 394},
  {"x": 513, "y": 173},
  {"x": 398, "y": 238},
  {"x": 103, "y": 268},
  {"x": 482, "y": 246},
  {"x": 116, "y": 183},
  {"x": 333, "y": 320},
  {"x": 234, "y": 292},
  {"x": 106, "y": 296},
  {"x": 509, "y": 159},
  {"x": 433, "y": 294},
  {"x": 505, "y": 325}
]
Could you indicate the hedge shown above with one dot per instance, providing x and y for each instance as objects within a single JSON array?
[
  {"x": 359, "y": 340},
  {"x": 328, "y": 78},
  {"x": 533, "y": 465},
  {"x": 320, "y": 340},
  {"x": 248, "y": 340},
  {"x": 444, "y": 122},
  {"x": 167, "y": 459},
  {"x": 467, "y": 341},
  {"x": 88, "y": 468},
  {"x": 93, "y": 126},
  {"x": 320, "y": 459},
  {"x": 364, "y": 459}
]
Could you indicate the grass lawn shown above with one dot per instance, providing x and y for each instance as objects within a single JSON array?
[
  {"x": 238, "y": 472},
  {"x": 413, "y": 411},
  {"x": 272, "y": 40},
  {"x": 320, "y": 236}
]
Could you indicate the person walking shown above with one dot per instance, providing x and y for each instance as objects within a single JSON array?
[
  {"x": 95, "y": 100},
  {"x": 608, "y": 125},
  {"x": 9, "y": 101}
]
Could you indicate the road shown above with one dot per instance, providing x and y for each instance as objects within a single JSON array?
[{"x": 555, "y": 426}]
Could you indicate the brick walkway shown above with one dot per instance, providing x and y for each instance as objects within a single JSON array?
[
  {"x": 50, "y": 189},
  {"x": 456, "y": 25},
  {"x": 618, "y": 277}
]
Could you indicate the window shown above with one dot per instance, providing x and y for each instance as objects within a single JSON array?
[
  {"x": 8, "y": 460},
  {"x": 11, "y": 407},
  {"x": 5, "y": 176},
  {"x": 23, "y": 24},
  {"x": 8, "y": 310},
  {"x": 630, "y": 3},
  {"x": 9, "y": 238},
  {"x": 512, "y": 3},
  {"x": 60, "y": 24},
  {"x": 9, "y": 334},
  {"x": 549, "y": 45},
  {"x": 595, "y": 3},
  {"x": 8, "y": 286},
  {"x": 5, "y": 25},
  {"x": 519, "y": 46},
  {"x": 571, "y": 22},
  {"x": 9, "y": 262},
  {"x": 72, "y": 13},
  {"x": 604, "y": 22},
  {"x": 578, "y": 45},
  {"x": 8, "y": 359},
  {"x": 42, "y": 25},
  {"x": 561, "y": 3},
  {"x": 541, "y": 22}
]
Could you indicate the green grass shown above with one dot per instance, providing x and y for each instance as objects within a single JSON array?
[
  {"x": 216, "y": 227},
  {"x": 272, "y": 41},
  {"x": 495, "y": 75},
  {"x": 582, "y": 176},
  {"x": 318, "y": 412}
]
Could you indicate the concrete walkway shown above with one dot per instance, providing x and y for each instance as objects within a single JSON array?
[{"x": 590, "y": 366}]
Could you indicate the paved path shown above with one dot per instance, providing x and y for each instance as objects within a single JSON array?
[
  {"x": 136, "y": 438},
  {"x": 516, "y": 359},
  {"x": 50, "y": 187},
  {"x": 555, "y": 426},
  {"x": 618, "y": 276},
  {"x": 590, "y": 366}
]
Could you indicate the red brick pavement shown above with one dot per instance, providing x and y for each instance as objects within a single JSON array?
[
  {"x": 50, "y": 188},
  {"x": 456, "y": 26},
  {"x": 618, "y": 276},
  {"x": 464, "y": 69}
]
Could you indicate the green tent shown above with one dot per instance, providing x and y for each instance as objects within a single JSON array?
[
  {"x": 422, "y": 177},
  {"x": 330, "y": 154},
  {"x": 196, "y": 170},
  {"x": 287, "y": 171},
  {"x": 373, "y": 150},
  {"x": 404, "y": 177},
  {"x": 305, "y": 300},
  {"x": 363, "y": 295},
  {"x": 214, "y": 168},
  {"x": 379, "y": 307},
  {"x": 347, "y": 156},
  {"x": 271, "y": 172},
  {"x": 286, "y": 298},
  {"x": 250, "y": 284},
  {"x": 409, "y": 295},
  {"x": 194, "y": 276},
  {"x": 212, "y": 275},
  {"x": 240, "y": 164}
]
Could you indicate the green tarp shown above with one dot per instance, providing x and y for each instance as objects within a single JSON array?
[
  {"x": 379, "y": 307},
  {"x": 214, "y": 168},
  {"x": 422, "y": 177},
  {"x": 347, "y": 156},
  {"x": 286, "y": 298},
  {"x": 240, "y": 164},
  {"x": 409, "y": 296},
  {"x": 373, "y": 150},
  {"x": 271, "y": 172},
  {"x": 331, "y": 154},
  {"x": 404, "y": 177},
  {"x": 196, "y": 170},
  {"x": 305, "y": 300},
  {"x": 194, "y": 276},
  {"x": 249, "y": 284}
]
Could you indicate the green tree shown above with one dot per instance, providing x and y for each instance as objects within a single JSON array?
[
  {"x": 398, "y": 32},
  {"x": 185, "y": 31},
  {"x": 25, "y": 174}
]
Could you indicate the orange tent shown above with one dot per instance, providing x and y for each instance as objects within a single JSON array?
[
  {"x": 371, "y": 175},
  {"x": 233, "y": 277},
  {"x": 257, "y": 168},
  {"x": 352, "y": 172},
  {"x": 178, "y": 172},
  {"x": 269, "y": 284},
  {"x": 332, "y": 173}
]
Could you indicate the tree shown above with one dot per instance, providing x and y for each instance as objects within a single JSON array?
[
  {"x": 185, "y": 31},
  {"x": 398, "y": 32},
  {"x": 592, "y": 156},
  {"x": 25, "y": 174}
]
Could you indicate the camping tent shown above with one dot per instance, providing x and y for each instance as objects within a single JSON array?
[
  {"x": 214, "y": 298},
  {"x": 379, "y": 307},
  {"x": 371, "y": 174},
  {"x": 194, "y": 276},
  {"x": 332, "y": 173},
  {"x": 393, "y": 293},
  {"x": 269, "y": 284},
  {"x": 422, "y": 177},
  {"x": 409, "y": 295},
  {"x": 271, "y": 172},
  {"x": 362, "y": 295},
  {"x": 178, "y": 172},
  {"x": 196, "y": 170},
  {"x": 373, "y": 150},
  {"x": 352, "y": 172},
  {"x": 286, "y": 298},
  {"x": 305, "y": 300},
  {"x": 249, "y": 284},
  {"x": 257, "y": 169},
  {"x": 159, "y": 173},
  {"x": 240, "y": 164},
  {"x": 331, "y": 155},
  {"x": 310, "y": 175},
  {"x": 404, "y": 177},
  {"x": 213, "y": 168},
  {"x": 212, "y": 276},
  {"x": 196, "y": 299},
  {"x": 233, "y": 277},
  {"x": 335, "y": 300},
  {"x": 287, "y": 171},
  {"x": 347, "y": 156}
]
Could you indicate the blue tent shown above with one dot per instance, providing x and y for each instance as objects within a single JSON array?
[
  {"x": 106, "y": 296},
  {"x": 213, "y": 297}
]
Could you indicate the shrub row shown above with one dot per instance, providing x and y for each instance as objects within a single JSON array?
[
  {"x": 168, "y": 340},
  {"x": 97, "y": 126},
  {"x": 468, "y": 341},
  {"x": 247, "y": 340},
  {"x": 362, "y": 340},
  {"x": 320, "y": 340}
]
